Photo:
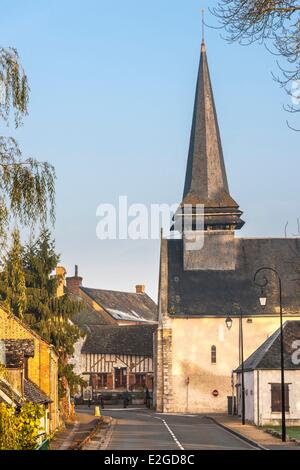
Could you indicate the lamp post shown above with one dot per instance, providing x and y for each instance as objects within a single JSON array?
[
  {"x": 263, "y": 300},
  {"x": 228, "y": 322}
]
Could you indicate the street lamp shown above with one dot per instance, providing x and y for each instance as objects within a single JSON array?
[
  {"x": 228, "y": 322},
  {"x": 263, "y": 301}
]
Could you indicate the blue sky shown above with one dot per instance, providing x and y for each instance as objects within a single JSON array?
[{"x": 112, "y": 90}]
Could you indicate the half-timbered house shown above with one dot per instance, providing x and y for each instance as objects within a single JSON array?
[
  {"x": 119, "y": 357},
  {"x": 116, "y": 358},
  {"x": 116, "y": 352}
]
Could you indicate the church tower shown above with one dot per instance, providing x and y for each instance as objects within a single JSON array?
[
  {"x": 206, "y": 180},
  {"x": 206, "y": 272},
  {"x": 208, "y": 216}
]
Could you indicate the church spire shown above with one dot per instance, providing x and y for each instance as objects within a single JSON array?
[{"x": 206, "y": 180}]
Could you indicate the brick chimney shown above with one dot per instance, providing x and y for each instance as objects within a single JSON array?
[
  {"x": 74, "y": 282},
  {"x": 60, "y": 273},
  {"x": 140, "y": 289}
]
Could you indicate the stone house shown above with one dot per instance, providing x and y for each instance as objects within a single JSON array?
[
  {"x": 207, "y": 271},
  {"x": 263, "y": 379},
  {"x": 30, "y": 369}
]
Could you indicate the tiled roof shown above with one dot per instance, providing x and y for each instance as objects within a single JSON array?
[
  {"x": 125, "y": 305},
  {"x": 213, "y": 292},
  {"x": 267, "y": 356},
  {"x": 8, "y": 393},
  {"x": 15, "y": 350},
  {"x": 24, "y": 325},
  {"x": 131, "y": 340},
  {"x": 88, "y": 316},
  {"x": 34, "y": 394}
]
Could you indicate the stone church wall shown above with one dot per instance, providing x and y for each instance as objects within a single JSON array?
[{"x": 186, "y": 379}]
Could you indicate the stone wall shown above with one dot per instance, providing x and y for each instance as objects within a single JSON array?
[
  {"x": 42, "y": 367},
  {"x": 186, "y": 379},
  {"x": 163, "y": 379}
]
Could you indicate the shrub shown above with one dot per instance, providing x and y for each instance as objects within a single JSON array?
[
  {"x": 20, "y": 430},
  {"x": 8, "y": 434}
]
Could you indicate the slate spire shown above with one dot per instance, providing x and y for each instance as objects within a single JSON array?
[{"x": 206, "y": 181}]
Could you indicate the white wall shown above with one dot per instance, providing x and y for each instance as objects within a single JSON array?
[
  {"x": 250, "y": 390},
  {"x": 191, "y": 343},
  {"x": 258, "y": 405},
  {"x": 77, "y": 360}
]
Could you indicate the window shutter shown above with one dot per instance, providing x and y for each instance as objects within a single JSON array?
[{"x": 276, "y": 397}]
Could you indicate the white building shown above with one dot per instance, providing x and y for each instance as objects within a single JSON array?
[{"x": 263, "y": 379}]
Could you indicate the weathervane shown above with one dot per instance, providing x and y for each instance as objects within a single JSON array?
[{"x": 203, "y": 27}]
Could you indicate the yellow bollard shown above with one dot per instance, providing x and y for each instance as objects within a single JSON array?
[{"x": 97, "y": 411}]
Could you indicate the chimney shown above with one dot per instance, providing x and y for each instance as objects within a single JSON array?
[
  {"x": 60, "y": 274},
  {"x": 74, "y": 282},
  {"x": 140, "y": 289}
]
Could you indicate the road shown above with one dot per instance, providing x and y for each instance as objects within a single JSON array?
[{"x": 140, "y": 429}]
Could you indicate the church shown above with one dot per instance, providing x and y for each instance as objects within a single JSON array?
[{"x": 196, "y": 350}]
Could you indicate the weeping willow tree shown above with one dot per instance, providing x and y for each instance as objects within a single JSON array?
[
  {"x": 13, "y": 278},
  {"x": 275, "y": 23},
  {"x": 27, "y": 190}
]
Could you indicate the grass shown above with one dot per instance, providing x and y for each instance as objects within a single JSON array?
[{"x": 291, "y": 431}]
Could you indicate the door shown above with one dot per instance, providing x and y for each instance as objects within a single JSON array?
[{"x": 120, "y": 377}]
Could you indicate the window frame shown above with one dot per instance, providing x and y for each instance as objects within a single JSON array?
[
  {"x": 213, "y": 354},
  {"x": 100, "y": 380},
  {"x": 139, "y": 376}
]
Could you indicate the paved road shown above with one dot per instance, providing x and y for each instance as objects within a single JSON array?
[{"x": 145, "y": 430}]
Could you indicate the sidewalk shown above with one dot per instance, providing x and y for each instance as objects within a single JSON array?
[
  {"x": 75, "y": 432},
  {"x": 100, "y": 439},
  {"x": 252, "y": 433}
]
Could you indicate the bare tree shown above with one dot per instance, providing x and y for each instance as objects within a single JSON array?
[{"x": 274, "y": 23}]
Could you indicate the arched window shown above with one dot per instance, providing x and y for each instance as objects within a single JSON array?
[{"x": 213, "y": 354}]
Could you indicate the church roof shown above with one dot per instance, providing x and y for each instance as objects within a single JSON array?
[
  {"x": 267, "y": 356},
  {"x": 129, "y": 340},
  {"x": 207, "y": 292}
]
